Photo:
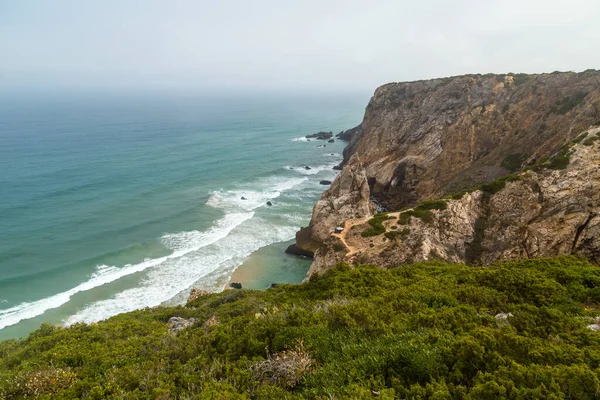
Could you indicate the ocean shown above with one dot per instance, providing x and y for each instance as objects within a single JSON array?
[{"x": 116, "y": 201}]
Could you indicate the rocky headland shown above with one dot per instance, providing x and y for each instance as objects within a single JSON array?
[{"x": 533, "y": 135}]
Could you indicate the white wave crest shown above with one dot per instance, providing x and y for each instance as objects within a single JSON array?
[
  {"x": 255, "y": 195},
  {"x": 181, "y": 244},
  {"x": 163, "y": 283}
]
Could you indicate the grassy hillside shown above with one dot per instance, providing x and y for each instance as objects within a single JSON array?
[{"x": 428, "y": 330}]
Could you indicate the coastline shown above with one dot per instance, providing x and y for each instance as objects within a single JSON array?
[{"x": 268, "y": 265}]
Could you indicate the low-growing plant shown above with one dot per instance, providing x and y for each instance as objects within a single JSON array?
[{"x": 516, "y": 329}]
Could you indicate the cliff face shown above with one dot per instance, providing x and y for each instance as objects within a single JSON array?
[
  {"x": 425, "y": 139},
  {"x": 538, "y": 213}
]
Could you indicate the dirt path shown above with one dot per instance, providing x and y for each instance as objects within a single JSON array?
[
  {"x": 342, "y": 236},
  {"x": 351, "y": 250}
]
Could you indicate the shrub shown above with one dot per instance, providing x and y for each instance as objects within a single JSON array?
[
  {"x": 513, "y": 162},
  {"x": 337, "y": 247},
  {"x": 432, "y": 205},
  {"x": 285, "y": 368},
  {"x": 519, "y": 79},
  {"x": 568, "y": 103},
  {"x": 376, "y": 223},
  {"x": 391, "y": 235}
]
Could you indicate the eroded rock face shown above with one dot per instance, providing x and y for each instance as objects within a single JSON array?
[
  {"x": 346, "y": 198},
  {"x": 425, "y": 139},
  {"x": 542, "y": 214}
]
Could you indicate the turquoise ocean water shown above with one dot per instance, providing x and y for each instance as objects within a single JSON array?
[{"x": 111, "y": 202}]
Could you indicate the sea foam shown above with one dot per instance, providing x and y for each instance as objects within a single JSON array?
[{"x": 182, "y": 244}]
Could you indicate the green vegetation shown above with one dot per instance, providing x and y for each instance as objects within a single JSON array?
[
  {"x": 488, "y": 188},
  {"x": 422, "y": 211},
  {"x": 432, "y": 205},
  {"x": 430, "y": 330},
  {"x": 513, "y": 162},
  {"x": 376, "y": 223},
  {"x": 410, "y": 105},
  {"x": 391, "y": 235},
  {"x": 568, "y": 103},
  {"x": 337, "y": 247},
  {"x": 519, "y": 79}
]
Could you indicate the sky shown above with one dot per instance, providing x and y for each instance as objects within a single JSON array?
[{"x": 324, "y": 44}]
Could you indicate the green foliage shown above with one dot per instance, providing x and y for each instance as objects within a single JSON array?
[
  {"x": 410, "y": 105},
  {"x": 337, "y": 247},
  {"x": 376, "y": 223},
  {"x": 432, "y": 205},
  {"x": 391, "y": 235},
  {"x": 513, "y": 162},
  {"x": 519, "y": 79},
  {"x": 568, "y": 103},
  {"x": 590, "y": 141},
  {"x": 414, "y": 331}
]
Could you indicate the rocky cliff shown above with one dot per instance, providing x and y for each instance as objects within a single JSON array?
[
  {"x": 423, "y": 140},
  {"x": 553, "y": 208}
]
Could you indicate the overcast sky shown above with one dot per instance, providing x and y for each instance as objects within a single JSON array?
[{"x": 279, "y": 43}]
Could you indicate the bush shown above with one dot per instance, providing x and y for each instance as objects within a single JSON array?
[
  {"x": 425, "y": 330},
  {"x": 568, "y": 103},
  {"x": 285, "y": 368},
  {"x": 376, "y": 223},
  {"x": 513, "y": 162}
]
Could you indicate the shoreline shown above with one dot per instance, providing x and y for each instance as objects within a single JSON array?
[{"x": 269, "y": 265}]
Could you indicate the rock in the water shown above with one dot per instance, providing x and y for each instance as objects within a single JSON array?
[
  {"x": 296, "y": 251},
  {"x": 321, "y": 145},
  {"x": 235, "y": 285},
  {"x": 243, "y": 198},
  {"x": 176, "y": 324},
  {"x": 320, "y": 135},
  {"x": 337, "y": 167},
  {"x": 269, "y": 203},
  {"x": 273, "y": 285},
  {"x": 331, "y": 141},
  {"x": 195, "y": 293},
  {"x": 325, "y": 182},
  {"x": 307, "y": 167}
]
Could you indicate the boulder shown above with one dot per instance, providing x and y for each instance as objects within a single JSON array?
[
  {"x": 235, "y": 285},
  {"x": 177, "y": 324},
  {"x": 331, "y": 141},
  {"x": 195, "y": 293},
  {"x": 269, "y": 203},
  {"x": 307, "y": 167},
  {"x": 325, "y": 182},
  {"x": 337, "y": 167},
  {"x": 243, "y": 198},
  {"x": 296, "y": 251}
]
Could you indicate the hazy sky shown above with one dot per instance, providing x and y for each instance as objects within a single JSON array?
[{"x": 279, "y": 43}]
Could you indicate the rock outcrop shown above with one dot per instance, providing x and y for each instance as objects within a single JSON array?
[
  {"x": 425, "y": 139},
  {"x": 320, "y": 135},
  {"x": 545, "y": 211},
  {"x": 350, "y": 133},
  {"x": 177, "y": 324},
  {"x": 346, "y": 198}
]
